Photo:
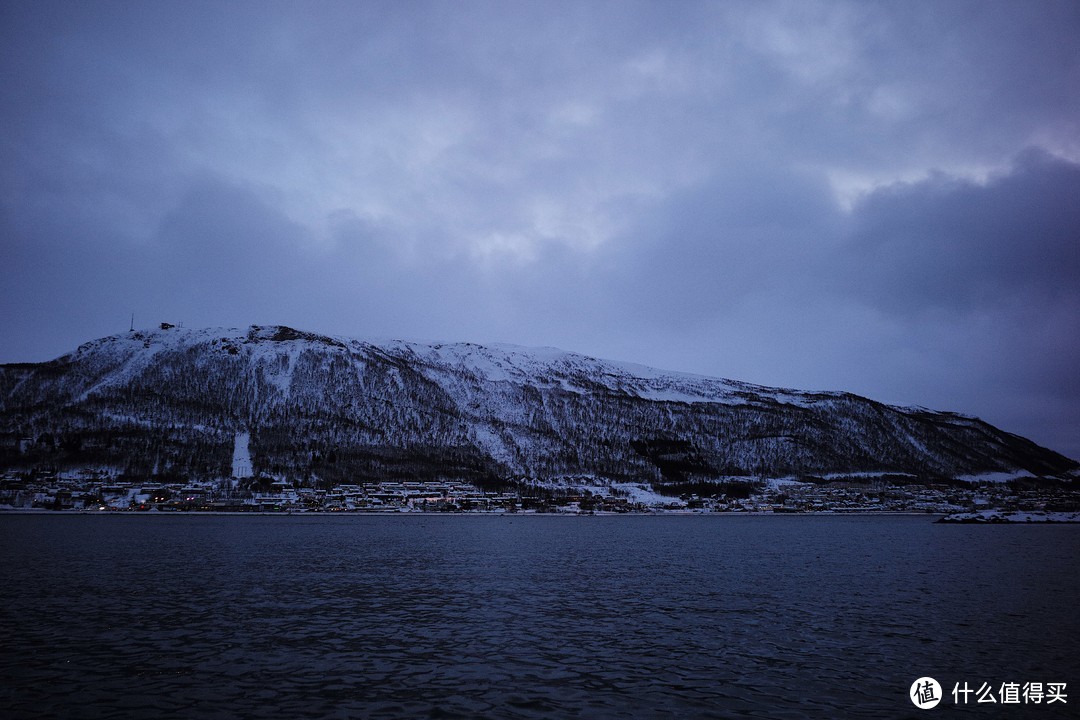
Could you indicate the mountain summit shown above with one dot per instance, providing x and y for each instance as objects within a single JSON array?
[{"x": 316, "y": 409}]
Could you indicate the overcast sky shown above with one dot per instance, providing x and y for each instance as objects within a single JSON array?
[{"x": 875, "y": 197}]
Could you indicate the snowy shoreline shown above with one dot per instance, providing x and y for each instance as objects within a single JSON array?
[
  {"x": 422, "y": 513},
  {"x": 988, "y": 517},
  {"x": 1011, "y": 517}
]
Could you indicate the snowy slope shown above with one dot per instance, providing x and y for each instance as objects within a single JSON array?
[{"x": 312, "y": 407}]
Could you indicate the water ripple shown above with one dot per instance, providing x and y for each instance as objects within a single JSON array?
[{"x": 383, "y": 617}]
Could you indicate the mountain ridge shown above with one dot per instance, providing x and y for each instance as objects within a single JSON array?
[{"x": 322, "y": 409}]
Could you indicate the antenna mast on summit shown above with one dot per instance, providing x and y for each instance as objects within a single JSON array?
[{"x": 132, "y": 328}]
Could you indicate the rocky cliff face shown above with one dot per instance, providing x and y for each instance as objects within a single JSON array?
[{"x": 170, "y": 402}]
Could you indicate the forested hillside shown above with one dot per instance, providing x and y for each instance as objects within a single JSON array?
[{"x": 170, "y": 402}]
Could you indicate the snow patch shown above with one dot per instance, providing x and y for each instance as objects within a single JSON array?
[
  {"x": 241, "y": 459},
  {"x": 640, "y": 493},
  {"x": 995, "y": 477},
  {"x": 865, "y": 475},
  {"x": 1012, "y": 516},
  {"x": 493, "y": 444},
  {"x": 777, "y": 484}
]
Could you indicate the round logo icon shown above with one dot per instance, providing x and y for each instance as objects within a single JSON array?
[{"x": 925, "y": 693}]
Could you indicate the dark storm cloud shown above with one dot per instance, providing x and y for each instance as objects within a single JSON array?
[
  {"x": 984, "y": 277},
  {"x": 815, "y": 194},
  {"x": 960, "y": 246}
]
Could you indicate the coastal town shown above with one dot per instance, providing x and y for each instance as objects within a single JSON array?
[{"x": 89, "y": 492}]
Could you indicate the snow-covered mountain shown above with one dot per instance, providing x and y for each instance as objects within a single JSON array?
[{"x": 172, "y": 402}]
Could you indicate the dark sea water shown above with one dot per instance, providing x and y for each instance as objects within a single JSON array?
[{"x": 528, "y": 617}]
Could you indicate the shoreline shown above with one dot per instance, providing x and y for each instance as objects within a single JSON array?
[
  {"x": 423, "y": 513},
  {"x": 996, "y": 517}
]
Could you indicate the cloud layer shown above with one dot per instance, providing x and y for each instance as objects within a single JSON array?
[{"x": 872, "y": 197}]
